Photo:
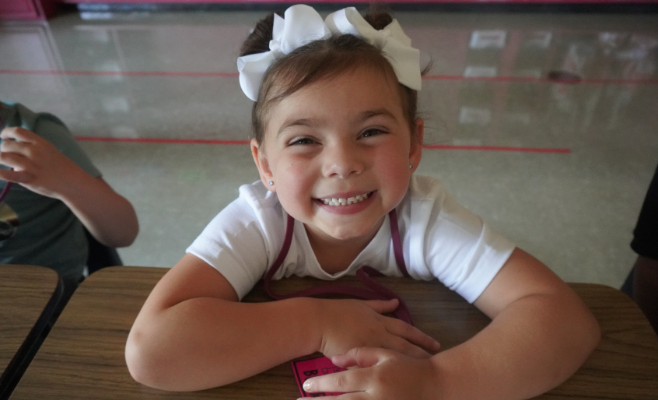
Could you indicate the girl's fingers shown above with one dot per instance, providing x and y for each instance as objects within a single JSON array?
[
  {"x": 355, "y": 380},
  {"x": 404, "y": 347},
  {"x": 362, "y": 357},
  {"x": 406, "y": 339},
  {"x": 346, "y": 396},
  {"x": 413, "y": 335},
  {"x": 382, "y": 306}
]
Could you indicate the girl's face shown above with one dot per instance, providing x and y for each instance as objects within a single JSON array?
[{"x": 338, "y": 152}]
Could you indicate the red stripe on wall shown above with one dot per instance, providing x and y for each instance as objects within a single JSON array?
[
  {"x": 118, "y": 73},
  {"x": 499, "y": 148},
  {"x": 159, "y": 140}
]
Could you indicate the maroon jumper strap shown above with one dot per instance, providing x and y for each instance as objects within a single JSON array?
[
  {"x": 397, "y": 244},
  {"x": 373, "y": 290}
]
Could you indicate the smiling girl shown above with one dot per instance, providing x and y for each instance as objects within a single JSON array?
[{"x": 336, "y": 144}]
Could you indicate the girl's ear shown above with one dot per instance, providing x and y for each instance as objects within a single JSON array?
[
  {"x": 263, "y": 166},
  {"x": 416, "y": 148}
]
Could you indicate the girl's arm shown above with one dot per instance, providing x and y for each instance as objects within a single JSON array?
[
  {"x": 42, "y": 168},
  {"x": 541, "y": 333},
  {"x": 193, "y": 334}
]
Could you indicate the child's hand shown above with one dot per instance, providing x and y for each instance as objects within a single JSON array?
[
  {"x": 346, "y": 324},
  {"x": 378, "y": 374},
  {"x": 37, "y": 164}
]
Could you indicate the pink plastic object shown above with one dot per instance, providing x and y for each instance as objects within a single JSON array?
[{"x": 306, "y": 369}]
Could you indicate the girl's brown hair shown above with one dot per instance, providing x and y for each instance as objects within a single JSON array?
[{"x": 320, "y": 59}]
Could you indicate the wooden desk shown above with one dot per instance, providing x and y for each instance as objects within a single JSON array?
[
  {"x": 83, "y": 357},
  {"x": 28, "y": 296}
]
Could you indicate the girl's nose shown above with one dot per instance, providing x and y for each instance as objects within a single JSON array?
[{"x": 342, "y": 161}]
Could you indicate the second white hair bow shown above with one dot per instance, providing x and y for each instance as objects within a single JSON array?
[
  {"x": 391, "y": 40},
  {"x": 302, "y": 24}
]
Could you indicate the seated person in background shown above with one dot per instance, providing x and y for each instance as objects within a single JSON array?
[
  {"x": 52, "y": 192},
  {"x": 645, "y": 244}
]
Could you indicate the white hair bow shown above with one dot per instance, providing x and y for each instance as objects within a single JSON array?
[
  {"x": 391, "y": 40},
  {"x": 302, "y": 24}
]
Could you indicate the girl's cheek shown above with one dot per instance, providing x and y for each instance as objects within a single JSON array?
[{"x": 297, "y": 166}]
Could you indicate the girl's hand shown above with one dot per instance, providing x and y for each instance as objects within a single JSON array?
[
  {"x": 378, "y": 374},
  {"x": 346, "y": 324},
  {"x": 37, "y": 164}
]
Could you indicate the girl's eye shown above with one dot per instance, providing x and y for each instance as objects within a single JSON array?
[
  {"x": 372, "y": 132},
  {"x": 300, "y": 141}
]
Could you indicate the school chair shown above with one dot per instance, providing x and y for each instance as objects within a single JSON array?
[{"x": 100, "y": 256}]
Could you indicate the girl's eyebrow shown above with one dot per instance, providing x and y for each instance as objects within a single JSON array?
[
  {"x": 364, "y": 116},
  {"x": 296, "y": 122}
]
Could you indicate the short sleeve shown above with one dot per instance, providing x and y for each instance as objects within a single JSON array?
[
  {"x": 453, "y": 244},
  {"x": 235, "y": 244}
]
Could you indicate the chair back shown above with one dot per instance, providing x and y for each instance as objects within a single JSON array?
[{"x": 100, "y": 256}]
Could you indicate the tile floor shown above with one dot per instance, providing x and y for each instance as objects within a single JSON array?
[{"x": 560, "y": 168}]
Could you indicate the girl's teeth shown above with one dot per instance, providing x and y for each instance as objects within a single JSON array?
[{"x": 343, "y": 202}]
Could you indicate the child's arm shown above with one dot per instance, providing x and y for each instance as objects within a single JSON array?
[
  {"x": 540, "y": 335},
  {"x": 193, "y": 334},
  {"x": 43, "y": 169}
]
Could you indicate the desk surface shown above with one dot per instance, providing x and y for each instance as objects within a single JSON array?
[
  {"x": 25, "y": 291},
  {"x": 83, "y": 357}
]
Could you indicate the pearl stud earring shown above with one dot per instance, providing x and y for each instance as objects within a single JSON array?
[{"x": 271, "y": 183}]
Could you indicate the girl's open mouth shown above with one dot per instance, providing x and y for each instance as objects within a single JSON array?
[
  {"x": 348, "y": 204},
  {"x": 338, "y": 201}
]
